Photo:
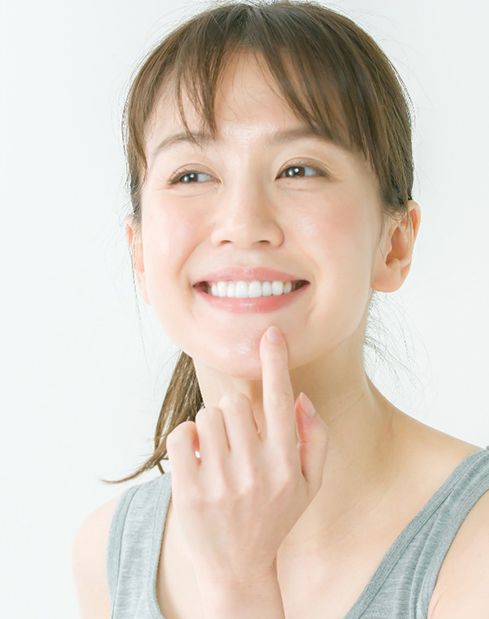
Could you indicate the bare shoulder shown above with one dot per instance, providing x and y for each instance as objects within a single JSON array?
[
  {"x": 89, "y": 561},
  {"x": 427, "y": 452},
  {"x": 462, "y": 585}
]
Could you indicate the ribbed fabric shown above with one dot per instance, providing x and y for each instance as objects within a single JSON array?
[{"x": 400, "y": 588}]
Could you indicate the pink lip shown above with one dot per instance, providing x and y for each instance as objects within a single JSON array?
[{"x": 248, "y": 274}]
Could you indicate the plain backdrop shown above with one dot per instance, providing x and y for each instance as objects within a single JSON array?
[{"x": 82, "y": 380}]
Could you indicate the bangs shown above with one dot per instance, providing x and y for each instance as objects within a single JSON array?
[
  {"x": 311, "y": 79},
  {"x": 329, "y": 72}
]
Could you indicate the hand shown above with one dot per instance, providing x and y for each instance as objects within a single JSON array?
[{"x": 237, "y": 503}]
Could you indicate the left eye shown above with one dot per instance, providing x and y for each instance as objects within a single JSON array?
[
  {"x": 295, "y": 168},
  {"x": 190, "y": 175}
]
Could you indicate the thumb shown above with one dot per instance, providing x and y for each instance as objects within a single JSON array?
[{"x": 313, "y": 442}]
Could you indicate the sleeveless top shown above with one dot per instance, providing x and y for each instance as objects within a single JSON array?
[{"x": 400, "y": 588}]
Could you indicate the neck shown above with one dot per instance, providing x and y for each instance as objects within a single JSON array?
[{"x": 359, "y": 469}]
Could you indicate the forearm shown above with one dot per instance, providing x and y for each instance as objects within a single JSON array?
[{"x": 262, "y": 599}]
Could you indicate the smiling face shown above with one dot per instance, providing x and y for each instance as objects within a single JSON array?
[{"x": 246, "y": 204}]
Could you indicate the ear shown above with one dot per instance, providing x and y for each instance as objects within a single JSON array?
[
  {"x": 395, "y": 251},
  {"x": 135, "y": 242}
]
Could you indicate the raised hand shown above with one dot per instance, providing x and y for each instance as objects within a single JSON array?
[{"x": 237, "y": 503}]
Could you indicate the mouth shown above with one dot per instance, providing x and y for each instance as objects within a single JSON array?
[
  {"x": 206, "y": 286},
  {"x": 266, "y": 300}
]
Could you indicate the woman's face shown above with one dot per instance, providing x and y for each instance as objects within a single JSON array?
[{"x": 320, "y": 223}]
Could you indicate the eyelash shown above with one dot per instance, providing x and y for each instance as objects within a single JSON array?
[{"x": 175, "y": 179}]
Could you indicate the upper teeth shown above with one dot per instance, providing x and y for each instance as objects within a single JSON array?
[{"x": 250, "y": 289}]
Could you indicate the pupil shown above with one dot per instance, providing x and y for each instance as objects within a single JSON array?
[{"x": 293, "y": 170}]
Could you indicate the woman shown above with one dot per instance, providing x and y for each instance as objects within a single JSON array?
[{"x": 273, "y": 189}]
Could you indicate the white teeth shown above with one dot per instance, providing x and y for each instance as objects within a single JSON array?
[{"x": 241, "y": 289}]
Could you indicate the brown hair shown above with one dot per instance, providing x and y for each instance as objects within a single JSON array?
[{"x": 338, "y": 81}]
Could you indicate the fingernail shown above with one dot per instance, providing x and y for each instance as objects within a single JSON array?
[
  {"x": 274, "y": 335},
  {"x": 307, "y": 405}
]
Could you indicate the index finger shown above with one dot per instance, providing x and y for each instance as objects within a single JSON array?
[{"x": 277, "y": 393}]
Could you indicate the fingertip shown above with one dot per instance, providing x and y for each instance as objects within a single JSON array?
[{"x": 274, "y": 335}]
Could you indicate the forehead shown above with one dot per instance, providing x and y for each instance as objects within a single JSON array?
[
  {"x": 246, "y": 96},
  {"x": 249, "y": 108}
]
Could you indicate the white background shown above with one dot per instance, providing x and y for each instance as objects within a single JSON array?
[{"x": 82, "y": 381}]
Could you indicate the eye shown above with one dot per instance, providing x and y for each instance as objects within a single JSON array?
[
  {"x": 191, "y": 175},
  {"x": 295, "y": 167}
]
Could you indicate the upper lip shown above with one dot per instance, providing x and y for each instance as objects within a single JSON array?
[{"x": 248, "y": 274}]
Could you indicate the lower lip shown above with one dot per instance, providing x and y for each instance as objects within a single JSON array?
[{"x": 250, "y": 304}]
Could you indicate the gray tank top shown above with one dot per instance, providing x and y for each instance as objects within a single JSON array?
[{"x": 400, "y": 588}]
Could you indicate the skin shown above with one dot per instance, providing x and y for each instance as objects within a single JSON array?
[{"x": 323, "y": 228}]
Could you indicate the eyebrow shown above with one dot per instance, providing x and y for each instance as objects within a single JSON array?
[{"x": 277, "y": 137}]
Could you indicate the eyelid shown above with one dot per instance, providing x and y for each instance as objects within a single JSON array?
[{"x": 174, "y": 180}]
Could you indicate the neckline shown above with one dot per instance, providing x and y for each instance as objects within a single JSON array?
[{"x": 381, "y": 571}]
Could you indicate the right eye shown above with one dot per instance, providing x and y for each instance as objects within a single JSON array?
[{"x": 181, "y": 174}]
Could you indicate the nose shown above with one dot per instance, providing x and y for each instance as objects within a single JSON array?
[{"x": 246, "y": 217}]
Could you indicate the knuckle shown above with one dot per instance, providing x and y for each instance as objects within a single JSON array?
[
  {"x": 250, "y": 480},
  {"x": 236, "y": 401},
  {"x": 199, "y": 413},
  {"x": 204, "y": 415},
  {"x": 213, "y": 414},
  {"x": 247, "y": 490},
  {"x": 179, "y": 435},
  {"x": 224, "y": 401},
  {"x": 287, "y": 472},
  {"x": 241, "y": 399},
  {"x": 219, "y": 495}
]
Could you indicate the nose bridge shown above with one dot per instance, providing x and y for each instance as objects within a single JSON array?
[
  {"x": 246, "y": 213},
  {"x": 248, "y": 199}
]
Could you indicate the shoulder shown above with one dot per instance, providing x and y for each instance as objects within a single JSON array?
[
  {"x": 89, "y": 550},
  {"x": 462, "y": 586},
  {"x": 463, "y": 589},
  {"x": 89, "y": 560}
]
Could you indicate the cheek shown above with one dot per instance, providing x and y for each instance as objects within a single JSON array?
[
  {"x": 168, "y": 242},
  {"x": 169, "y": 230},
  {"x": 338, "y": 230},
  {"x": 340, "y": 239}
]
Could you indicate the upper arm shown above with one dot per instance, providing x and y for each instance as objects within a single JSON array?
[
  {"x": 89, "y": 561},
  {"x": 464, "y": 591}
]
